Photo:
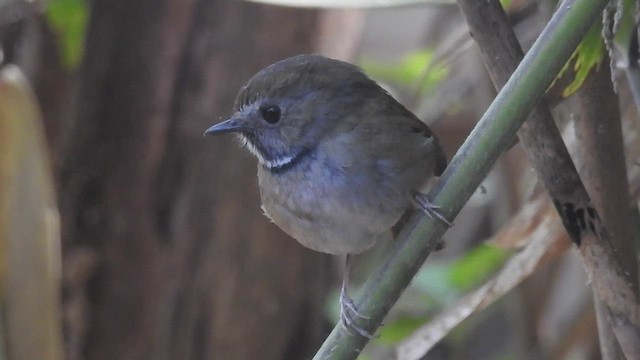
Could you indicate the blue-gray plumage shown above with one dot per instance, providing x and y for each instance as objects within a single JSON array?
[{"x": 340, "y": 160}]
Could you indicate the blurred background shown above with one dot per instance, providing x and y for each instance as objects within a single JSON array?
[{"x": 126, "y": 235}]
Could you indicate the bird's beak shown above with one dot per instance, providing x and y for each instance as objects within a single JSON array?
[{"x": 231, "y": 125}]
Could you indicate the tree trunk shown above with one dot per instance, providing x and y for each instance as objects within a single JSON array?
[{"x": 166, "y": 252}]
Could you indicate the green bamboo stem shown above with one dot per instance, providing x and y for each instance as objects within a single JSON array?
[{"x": 492, "y": 135}]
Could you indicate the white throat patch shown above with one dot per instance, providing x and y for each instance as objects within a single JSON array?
[{"x": 269, "y": 164}]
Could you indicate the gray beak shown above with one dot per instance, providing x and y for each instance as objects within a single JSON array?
[{"x": 231, "y": 125}]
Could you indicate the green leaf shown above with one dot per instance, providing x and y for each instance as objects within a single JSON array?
[
  {"x": 587, "y": 56},
  {"x": 443, "y": 284},
  {"x": 434, "y": 281},
  {"x": 408, "y": 70},
  {"x": 68, "y": 18},
  {"x": 476, "y": 266},
  {"x": 399, "y": 329}
]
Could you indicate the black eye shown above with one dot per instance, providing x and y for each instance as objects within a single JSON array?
[{"x": 270, "y": 113}]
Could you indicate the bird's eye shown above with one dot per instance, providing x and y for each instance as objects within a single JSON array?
[{"x": 270, "y": 113}]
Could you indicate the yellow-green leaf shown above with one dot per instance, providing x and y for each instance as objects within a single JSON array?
[
  {"x": 69, "y": 20},
  {"x": 587, "y": 56}
]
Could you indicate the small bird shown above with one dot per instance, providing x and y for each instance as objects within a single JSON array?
[{"x": 339, "y": 159}]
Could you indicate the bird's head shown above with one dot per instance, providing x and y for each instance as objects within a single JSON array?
[{"x": 286, "y": 109}]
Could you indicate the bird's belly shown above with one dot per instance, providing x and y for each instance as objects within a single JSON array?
[{"x": 327, "y": 213}]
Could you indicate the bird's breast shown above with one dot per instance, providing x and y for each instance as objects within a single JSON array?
[{"x": 329, "y": 208}]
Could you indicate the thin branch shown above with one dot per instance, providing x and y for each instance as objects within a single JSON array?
[
  {"x": 602, "y": 165},
  {"x": 544, "y": 146},
  {"x": 493, "y": 134},
  {"x": 602, "y": 169}
]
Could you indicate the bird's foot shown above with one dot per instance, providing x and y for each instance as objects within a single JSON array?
[
  {"x": 430, "y": 209},
  {"x": 348, "y": 314}
]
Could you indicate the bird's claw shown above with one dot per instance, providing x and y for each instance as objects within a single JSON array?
[
  {"x": 348, "y": 313},
  {"x": 430, "y": 209}
]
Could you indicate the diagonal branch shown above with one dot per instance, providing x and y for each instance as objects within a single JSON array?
[
  {"x": 492, "y": 135},
  {"x": 544, "y": 146}
]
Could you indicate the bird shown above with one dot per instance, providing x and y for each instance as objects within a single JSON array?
[{"x": 339, "y": 159}]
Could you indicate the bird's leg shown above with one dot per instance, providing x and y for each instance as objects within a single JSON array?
[
  {"x": 348, "y": 309},
  {"x": 430, "y": 209}
]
